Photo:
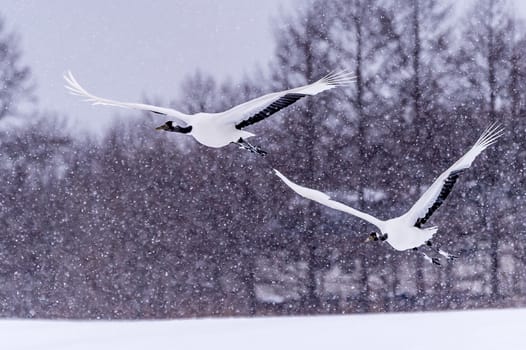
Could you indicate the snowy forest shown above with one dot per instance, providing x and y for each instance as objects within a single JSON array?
[{"x": 148, "y": 224}]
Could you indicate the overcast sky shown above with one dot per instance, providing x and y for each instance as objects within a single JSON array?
[{"x": 128, "y": 49}]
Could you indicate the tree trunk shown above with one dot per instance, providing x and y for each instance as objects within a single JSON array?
[{"x": 312, "y": 301}]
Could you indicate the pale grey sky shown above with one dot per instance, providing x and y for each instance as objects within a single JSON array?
[{"x": 128, "y": 49}]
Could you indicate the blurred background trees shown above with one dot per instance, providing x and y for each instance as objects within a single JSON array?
[
  {"x": 15, "y": 76},
  {"x": 143, "y": 224}
]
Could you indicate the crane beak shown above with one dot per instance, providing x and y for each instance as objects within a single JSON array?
[
  {"x": 371, "y": 237},
  {"x": 168, "y": 126}
]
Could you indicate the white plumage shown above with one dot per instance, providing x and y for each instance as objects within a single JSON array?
[
  {"x": 220, "y": 129},
  {"x": 405, "y": 232}
]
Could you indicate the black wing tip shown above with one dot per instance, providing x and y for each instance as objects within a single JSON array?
[
  {"x": 447, "y": 187},
  {"x": 282, "y": 102}
]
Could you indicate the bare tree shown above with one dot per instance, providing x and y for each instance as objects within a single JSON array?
[{"x": 15, "y": 77}]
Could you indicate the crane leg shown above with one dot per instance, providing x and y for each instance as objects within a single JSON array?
[
  {"x": 445, "y": 254},
  {"x": 251, "y": 148}
]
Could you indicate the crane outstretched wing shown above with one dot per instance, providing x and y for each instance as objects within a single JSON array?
[
  {"x": 326, "y": 200},
  {"x": 264, "y": 106},
  {"x": 435, "y": 195},
  {"x": 76, "y": 89}
]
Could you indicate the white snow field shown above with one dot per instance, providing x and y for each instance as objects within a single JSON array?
[{"x": 489, "y": 329}]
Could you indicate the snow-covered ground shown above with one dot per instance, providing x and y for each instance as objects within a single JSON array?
[{"x": 495, "y": 329}]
